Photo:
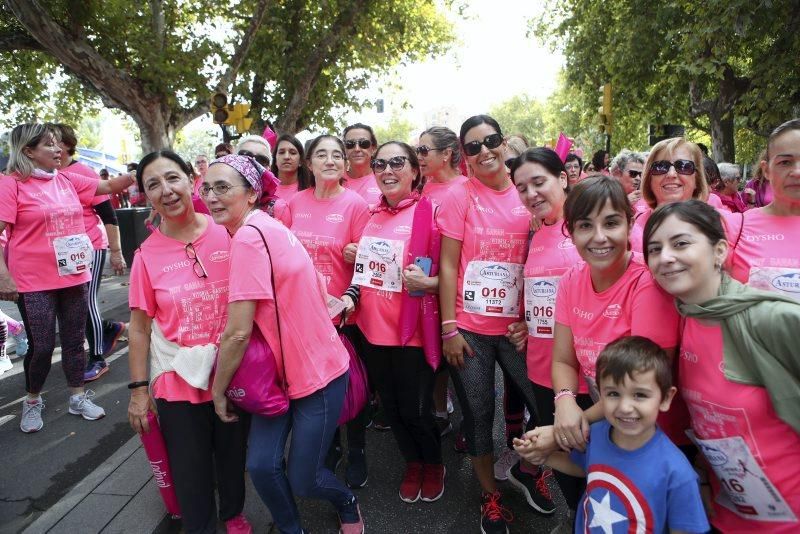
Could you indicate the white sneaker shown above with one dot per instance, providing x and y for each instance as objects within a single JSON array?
[
  {"x": 82, "y": 405},
  {"x": 506, "y": 461},
  {"x": 5, "y": 364},
  {"x": 31, "y": 420},
  {"x": 450, "y": 408}
]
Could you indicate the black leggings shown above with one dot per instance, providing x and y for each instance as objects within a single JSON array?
[
  {"x": 202, "y": 449},
  {"x": 40, "y": 310},
  {"x": 404, "y": 381},
  {"x": 571, "y": 487},
  {"x": 95, "y": 325}
]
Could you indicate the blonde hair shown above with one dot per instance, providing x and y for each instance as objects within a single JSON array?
[
  {"x": 668, "y": 146},
  {"x": 26, "y": 135}
]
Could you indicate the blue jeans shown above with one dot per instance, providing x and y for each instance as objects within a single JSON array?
[{"x": 312, "y": 420}]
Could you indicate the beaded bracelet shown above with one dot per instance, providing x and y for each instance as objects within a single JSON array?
[
  {"x": 564, "y": 393},
  {"x": 450, "y": 335}
]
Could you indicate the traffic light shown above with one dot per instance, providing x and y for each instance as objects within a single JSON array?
[
  {"x": 239, "y": 118},
  {"x": 219, "y": 108},
  {"x": 604, "y": 111}
]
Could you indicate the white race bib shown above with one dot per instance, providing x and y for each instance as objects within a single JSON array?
[
  {"x": 783, "y": 280},
  {"x": 746, "y": 490},
  {"x": 378, "y": 264},
  {"x": 73, "y": 254},
  {"x": 492, "y": 288},
  {"x": 540, "y": 305}
]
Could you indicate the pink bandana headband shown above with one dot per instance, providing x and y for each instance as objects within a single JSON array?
[{"x": 262, "y": 180}]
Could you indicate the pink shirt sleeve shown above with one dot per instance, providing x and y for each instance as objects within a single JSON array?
[
  {"x": 654, "y": 315},
  {"x": 452, "y": 216},
  {"x": 562, "y": 298},
  {"x": 8, "y": 199},
  {"x": 85, "y": 187},
  {"x": 141, "y": 295},
  {"x": 254, "y": 282},
  {"x": 282, "y": 212},
  {"x": 361, "y": 217}
]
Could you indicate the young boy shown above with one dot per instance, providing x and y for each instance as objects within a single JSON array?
[{"x": 637, "y": 480}]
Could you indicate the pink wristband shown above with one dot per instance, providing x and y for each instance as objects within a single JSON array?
[
  {"x": 452, "y": 321},
  {"x": 563, "y": 393},
  {"x": 450, "y": 335}
]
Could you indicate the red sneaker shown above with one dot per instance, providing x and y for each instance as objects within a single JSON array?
[
  {"x": 238, "y": 525},
  {"x": 411, "y": 485},
  {"x": 432, "y": 482}
]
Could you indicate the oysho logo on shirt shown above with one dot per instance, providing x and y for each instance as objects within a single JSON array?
[
  {"x": 219, "y": 256},
  {"x": 757, "y": 238},
  {"x": 613, "y": 311},
  {"x": 520, "y": 211},
  {"x": 175, "y": 266},
  {"x": 476, "y": 201},
  {"x": 690, "y": 357},
  {"x": 787, "y": 282},
  {"x": 583, "y": 314},
  {"x": 335, "y": 218},
  {"x": 404, "y": 230},
  {"x": 495, "y": 272}
]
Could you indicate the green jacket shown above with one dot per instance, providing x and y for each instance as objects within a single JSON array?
[{"x": 761, "y": 340}]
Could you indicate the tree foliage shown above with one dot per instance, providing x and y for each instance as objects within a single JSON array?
[
  {"x": 716, "y": 65},
  {"x": 159, "y": 61},
  {"x": 521, "y": 114},
  {"x": 397, "y": 129}
]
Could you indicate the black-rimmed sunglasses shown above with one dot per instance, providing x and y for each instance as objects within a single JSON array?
[
  {"x": 423, "y": 150},
  {"x": 634, "y": 174},
  {"x": 490, "y": 141},
  {"x": 263, "y": 160},
  {"x": 191, "y": 253},
  {"x": 682, "y": 166},
  {"x": 362, "y": 143},
  {"x": 396, "y": 163}
]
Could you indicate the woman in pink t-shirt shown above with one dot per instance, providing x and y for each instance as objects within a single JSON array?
[
  {"x": 327, "y": 219},
  {"x": 609, "y": 296},
  {"x": 739, "y": 373},
  {"x": 673, "y": 172},
  {"x": 385, "y": 272},
  {"x": 360, "y": 144},
  {"x": 485, "y": 232},
  {"x": 274, "y": 287},
  {"x": 178, "y": 300},
  {"x": 48, "y": 255},
  {"x": 287, "y": 164},
  {"x": 766, "y": 253}
]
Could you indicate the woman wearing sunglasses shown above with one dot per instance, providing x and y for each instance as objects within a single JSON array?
[
  {"x": 256, "y": 147},
  {"x": 274, "y": 284},
  {"x": 287, "y": 164},
  {"x": 627, "y": 168},
  {"x": 327, "y": 218},
  {"x": 384, "y": 272},
  {"x": 485, "y": 233},
  {"x": 178, "y": 299},
  {"x": 439, "y": 153},
  {"x": 360, "y": 143}
]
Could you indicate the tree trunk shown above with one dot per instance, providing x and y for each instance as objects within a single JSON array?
[{"x": 722, "y": 139}]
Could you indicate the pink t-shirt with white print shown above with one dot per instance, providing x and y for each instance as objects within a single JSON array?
[
  {"x": 94, "y": 226},
  {"x": 325, "y": 226},
  {"x": 767, "y": 255},
  {"x": 40, "y": 213},
  {"x": 437, "y": 191},
  {"x": 366, "y": 186},
  {"x": 493, "y": 229},
  {"x": 383, "y": 249},
  {"x": 720, "y": 409},
  {"x": 551, "y": 254},
  {"x": 308, "y": 350},
  {"x": 190, "y": 309},
  {"x": 287, "y": 192}
]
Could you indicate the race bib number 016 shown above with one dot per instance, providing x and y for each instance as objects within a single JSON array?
[
  {"x": 746, "y": 490},
  {"x": 73, "y": 254},
  {"x": 540, "y": 305},
  {"x": 378, "y": 263},
  {"x": 492, "y": 288}
]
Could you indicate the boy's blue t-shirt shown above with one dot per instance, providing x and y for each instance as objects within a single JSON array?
[{"x": 651, "y": 489}]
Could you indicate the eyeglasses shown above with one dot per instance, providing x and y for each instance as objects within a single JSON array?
[
  {"x": 490, "y": 141},
  {"x": 362, "y": 143},
  {"x": 637, "y": 174},
  {"x": 572, "y": 166},
  {"x": 323, "y": 156},
  {"x": 396, "y": 163},
  {"x": 263, "y": 160},
  {"x": 682, "y": 166},
  {"x": 192, "y": 255},
  {"x": 423, "y": 150},
  {"x": 218, "y": 189},
  {"x": 199, "y": 161}
]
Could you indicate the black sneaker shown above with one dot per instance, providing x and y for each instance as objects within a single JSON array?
[
  {"x": 355, "y": 475},
  {"x": 494, "y": 516},
  {"x": 534, "y": 488},
  {"x": 334, "y": 458},
  {"x": 379, "y": 421}
]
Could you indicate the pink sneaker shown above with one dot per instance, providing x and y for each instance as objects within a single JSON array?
[{"x": 238, "y": 525}]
